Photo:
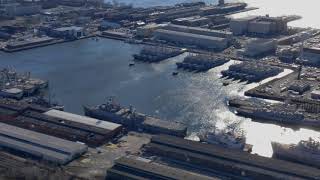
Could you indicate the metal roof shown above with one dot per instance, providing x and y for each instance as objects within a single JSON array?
[
  {"x": 39, "y": 145},
  {"x": 75, "y": 28},
  {"x": 153, "y": 169},
  {"x": 83, "y": 119},
  {"x": 176, "y": 33}
]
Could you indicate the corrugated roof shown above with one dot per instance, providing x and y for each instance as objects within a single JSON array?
[
  {"x": 190, "y": 35},
  {"x": 83, "y": 119},
  {"x": 40, "y": 145}
]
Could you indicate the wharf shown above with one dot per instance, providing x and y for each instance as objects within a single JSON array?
[
  {"x": 38, "y": 45},
  {"x": 294, "y": 114},
  {"x": 26, "y": 47},
  {"x": 234, "y": 162}
]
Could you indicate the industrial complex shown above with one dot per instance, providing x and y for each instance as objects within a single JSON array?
[{"x": 39, "y": 140}]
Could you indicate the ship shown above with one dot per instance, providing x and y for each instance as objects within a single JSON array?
[
  {"x": 14, "y": 93},
  {"x": 111, "y": 111},
  {"x": 277, "y": 115},
  {"x": 157, "y": 54},
  {"x": 201, "y": 63},
  {"x": 226, "y": 138},
  {"x": 132, "y": 120},
  {"x": 306, "y": 152}
]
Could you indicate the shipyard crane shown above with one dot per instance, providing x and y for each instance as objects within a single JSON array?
[{"x": 299, "y": 61}]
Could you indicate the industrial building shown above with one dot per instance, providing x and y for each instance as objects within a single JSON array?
[
  {"x": 259, "y": 47},
  {"x": 17, "y": 9},
  {"x": 192, "y": 21},
  {"x": 66, "y": 126},
  {"x": 233, "y": 163},
  {"x": 299, "y": 86},
  {"x": 312, "y": 55},
  {"x": 148, "y": 30},
  {"x": 57, "y": 123},
  {"x": 39, "y": 146},
  {"x": 223, "y": 8},
  {"x": 199, "y": 31},
  {"x": 68, "y": 32},
  {"x": 315, "y": 94},
  {"x": 189, "y": 39},
  {"x": 139, "y": 168},
  {"x": 259, "y": 25},
  {"x": 239, "y": 26}
]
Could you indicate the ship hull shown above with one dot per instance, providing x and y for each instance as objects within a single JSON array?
[{"x": 285, "y": 152}]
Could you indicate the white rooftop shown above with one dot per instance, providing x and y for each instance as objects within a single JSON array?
[{"x": 83, "y": 119}]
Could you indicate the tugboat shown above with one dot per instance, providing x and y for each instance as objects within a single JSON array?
[
  {"x": 226, "y": 138},
  {"x": 175, "y": 73},
  {"x": 225, "y": 83},
  {"x": 306, "y": 152}
]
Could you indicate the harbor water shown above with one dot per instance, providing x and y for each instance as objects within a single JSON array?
[
  {"x": 87, "y": 72},
  {"x": 307, "y": 9}
]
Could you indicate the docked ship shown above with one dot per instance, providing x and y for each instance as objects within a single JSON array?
[
  {"x": 113, "y": 112},
  {"x": 157, "y": 54},
  {"x": 132, "y": 120},
  {"x": 281, "y": 116},
  {"x": 14, "y": 93},
  {"x": 226, "y": 138},
  {"x": 200, "y": 63},
  {"x": 306, "y": 152}
]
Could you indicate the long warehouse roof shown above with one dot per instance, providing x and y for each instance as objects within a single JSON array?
[
  {"x": 39, "y": 145},
  {"x": 199, "y": 36},
  {"x": 237, "y": 156},
  {"x": 83, "y": 119}
]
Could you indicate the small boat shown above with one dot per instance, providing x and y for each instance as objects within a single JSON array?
[
  {"x": 175, "y": 73},
  {"x": 225, "y": 83},
  {"x": 131, "y": 64}
]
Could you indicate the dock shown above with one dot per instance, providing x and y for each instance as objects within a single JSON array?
[{"x": 237, "y": 163}]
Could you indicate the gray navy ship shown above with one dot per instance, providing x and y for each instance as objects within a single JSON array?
[
  {"x": 306, "y": 152},
  {"x": 132, "y": 120}
]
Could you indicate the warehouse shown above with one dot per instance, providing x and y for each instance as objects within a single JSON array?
[
  {"x": 39, "y": 146},
  {"x": 92, "y": 132},
  {"x": 200, "y": 31},
  {"x": 68, "y": 32},
  {"x": 188, "y": 39},
  {"x": 239, "y": 26},
  {"x": 95, "y": 131},
  {"x": 259, "y": 47},
  {"x": 193, "y": 21},
  {"x": 140, "y": 168},
  {"x": 236, "y": 163},
  {"x": 147, "y": 30},
  {"x": 258, "y": 25}
]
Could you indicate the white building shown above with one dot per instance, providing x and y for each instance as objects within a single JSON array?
[
  {"x": 67, "y": 32},
  {"x": 257, "y": 47},
  {"x": 189, "y": 39}
]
